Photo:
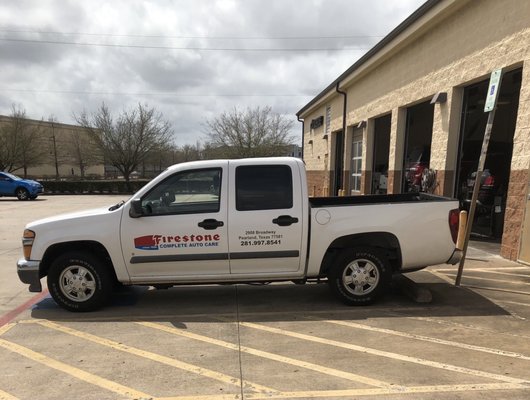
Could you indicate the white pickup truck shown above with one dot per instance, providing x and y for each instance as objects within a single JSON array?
[{"x": 237, "y": 221}]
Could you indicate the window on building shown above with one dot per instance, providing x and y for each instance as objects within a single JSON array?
[
  {"x": 328, "y": 120},
  {"x": 264, "y": 187},
  {"x": 356, "y": 160}
]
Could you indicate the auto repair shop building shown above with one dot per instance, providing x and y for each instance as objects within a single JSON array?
[{"x": 415, "y": 104}]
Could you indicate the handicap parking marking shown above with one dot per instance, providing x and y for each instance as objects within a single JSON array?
[
  {"x": 271, "y": 356},
  {"x": 386, "y": 354},
  {"x": 73, "y": 371},
  {"x": 448, "y": 276},
  {"x": 258, "y": 392},
  {"x": 466, "y": 346},
  {"x": 355, "y": 393},
  {"x": 219, "y": 376}
]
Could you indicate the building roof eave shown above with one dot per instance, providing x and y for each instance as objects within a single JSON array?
[{"x": 330, "y": 89}]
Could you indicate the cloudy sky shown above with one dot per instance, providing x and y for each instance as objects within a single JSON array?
[{"x": 191, "y": 59}]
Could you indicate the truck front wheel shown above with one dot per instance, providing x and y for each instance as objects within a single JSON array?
[
  {"x": 360, "y": 276},
  {"x": 79, "y": 282}
]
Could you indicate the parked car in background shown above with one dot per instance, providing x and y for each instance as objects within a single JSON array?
[{"x": 23, "y": 189}]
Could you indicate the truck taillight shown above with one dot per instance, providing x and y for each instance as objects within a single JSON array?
[
  {"x": 27, "y": 242},
  {"x": 454, "y": 217}
]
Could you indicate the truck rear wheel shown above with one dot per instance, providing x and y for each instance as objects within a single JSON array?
[
  {"x": 79, "y": 282},
  {"x": 360, "y": 276}
]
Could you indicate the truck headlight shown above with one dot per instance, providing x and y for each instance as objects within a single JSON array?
[{"x": 27, "y": 242}]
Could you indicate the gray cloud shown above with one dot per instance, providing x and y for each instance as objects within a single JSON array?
[{"x": 62, "y": 79}]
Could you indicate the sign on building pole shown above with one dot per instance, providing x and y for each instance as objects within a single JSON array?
[{"x": 489, "y": 107}]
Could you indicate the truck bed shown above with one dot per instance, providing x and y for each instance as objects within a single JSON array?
[{"x": 317, "y": 202}]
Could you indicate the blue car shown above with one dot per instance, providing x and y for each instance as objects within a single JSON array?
[{"x": 23, "y": 189}]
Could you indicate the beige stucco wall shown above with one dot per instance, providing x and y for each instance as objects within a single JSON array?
[{"x": 454, "y": 45}]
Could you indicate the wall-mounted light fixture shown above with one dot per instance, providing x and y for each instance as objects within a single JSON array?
[
  {"x": 440, "y": 97},
  {"x": 361, "y": 125}
]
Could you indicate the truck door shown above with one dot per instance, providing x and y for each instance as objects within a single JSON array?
[
  {"x": 265, "y": 224},
  {"x": 183, "y": 229}
]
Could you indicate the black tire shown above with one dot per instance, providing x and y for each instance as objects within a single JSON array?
[
  {"x": 22, "y": 193},
  {"x": 80, "y": 282},
  {"x": 360, "y": 276}
]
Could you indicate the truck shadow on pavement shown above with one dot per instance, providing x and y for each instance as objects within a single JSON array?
[{"x": 269, "y": 303}]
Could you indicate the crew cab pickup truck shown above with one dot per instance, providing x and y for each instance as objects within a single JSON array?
[{"x": 238, "y": 221}]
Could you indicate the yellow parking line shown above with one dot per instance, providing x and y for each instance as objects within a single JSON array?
[
  {"x": 374, "y": 392},
  {"x": 6, "y": 396},
  {"x": 208, "y": 397},
  {"x": 430, "y": 339},
  {"x": 481, "y": 268},
  {"x": 442, "y": 276},
  {"x": 6, "y": 327},
  {"x": 271, "y": 356},
  {"x": 514, "y": 302},
  {"x": 73, "y": 371},
  {"x": 387, "y": 354},
  {"x": 488, "y": 271},
  {"x": 491, "y": 279},
  {"x": 157, "y": 357}
]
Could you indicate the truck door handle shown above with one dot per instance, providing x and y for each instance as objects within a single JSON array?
[
  {"x": 210, "y": 224},
  {"x": 285, "y": 220}
]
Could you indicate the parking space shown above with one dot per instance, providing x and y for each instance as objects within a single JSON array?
[{"x": 280, "y": 341}]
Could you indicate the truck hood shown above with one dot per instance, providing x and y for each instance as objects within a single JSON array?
[{"x": 71, "y": 217}]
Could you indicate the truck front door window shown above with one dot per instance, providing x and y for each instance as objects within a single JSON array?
[{"x": 189, "y": 192}]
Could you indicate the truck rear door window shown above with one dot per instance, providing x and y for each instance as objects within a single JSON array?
[{"x": 264, "y": 187}]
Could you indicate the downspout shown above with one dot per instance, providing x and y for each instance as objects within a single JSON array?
[
  {"x": 303, "y": 126},
  {"x": 343, "y": 123}
]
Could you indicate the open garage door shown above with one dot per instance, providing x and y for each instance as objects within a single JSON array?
[{"x": 489, "y": 216}]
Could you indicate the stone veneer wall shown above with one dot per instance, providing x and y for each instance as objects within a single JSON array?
[
  {"x": 514, "y": 214},
  {"x": 318, "y": 183}
]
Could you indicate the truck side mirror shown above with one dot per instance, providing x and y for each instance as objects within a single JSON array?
[{"x": 136, "y": 210}]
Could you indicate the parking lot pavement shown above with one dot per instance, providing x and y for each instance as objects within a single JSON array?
[{"x": 279, "y": 341}]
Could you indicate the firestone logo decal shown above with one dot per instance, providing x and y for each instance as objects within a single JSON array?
[{"x": 156, "y": 242}]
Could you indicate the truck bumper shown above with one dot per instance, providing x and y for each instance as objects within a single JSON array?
[
  {"x": 29, "y": 272},
  {"x": 456, "y": 257}
]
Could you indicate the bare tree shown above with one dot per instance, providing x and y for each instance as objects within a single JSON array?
[
  {"x": 257, "y": 132},
  {"x": 83, "y": 151},
  {"x": 19, "y": 142},
  {"x": 127, "y": 140}
]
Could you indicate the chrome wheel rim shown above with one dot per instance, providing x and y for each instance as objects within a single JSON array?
[
  {"x": 360, "y": 277},
  {"x": 77, "y": 283}
]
